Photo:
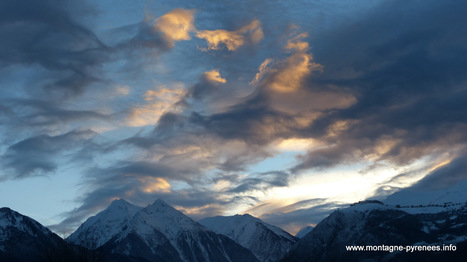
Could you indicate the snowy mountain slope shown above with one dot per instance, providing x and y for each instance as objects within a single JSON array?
[
  {"x": 99, "y": 229},
  {"x": 372, "y": 224},
  {"x": 166, "y": 219},
  {"x": 415, "y": 201},
  {"x": 192, "y": 241},
  {"x": 266, "y": 242},
  {"x": 303, "y": 231},
  {"x": 10, "y": 219},
  {"x": 130, "y": 244},
  {"x": 24, "y": 239},
  {"x": 156, "y": 232}
]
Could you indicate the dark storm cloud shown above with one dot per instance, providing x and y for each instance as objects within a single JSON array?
[
  {"x": 203, "y": 88},
  {"x": 145, "y": 37},
  {"x": 252, "y": 120},
  {"x": 404, "y": 63},
  {"x": 38, "y": 155},
  {"x": 175, "y": 132},
  {"x": 57, "y": 60},
  {"x": 44, "y": 113},
  {"x": 44, "y": 33},
  {"x": 135, "y": 169},
  {"x": 444, "y": 176}
]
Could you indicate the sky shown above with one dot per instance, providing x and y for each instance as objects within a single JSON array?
[{"x": 284, "y": 110}]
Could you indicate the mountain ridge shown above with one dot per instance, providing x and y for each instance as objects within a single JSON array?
[
  {"x": 157, "y": 231},
  {"x": 24, "y": 239},
  {"x": 370, "y": 223}
]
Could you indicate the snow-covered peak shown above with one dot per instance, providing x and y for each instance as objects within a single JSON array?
[
  {"x": 102, "y": 227},
  {"x": 9, "y": 218},
  {"x": 160, "y": 206},
  {"x": 121, "y": 204},
  {"x": 117, "y": 211},
  {"x": 165, "y": 219},
  {"x": 237, "y": 225},
  {"x": 266, "y": 242}
]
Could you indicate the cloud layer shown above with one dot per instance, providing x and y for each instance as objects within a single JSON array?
[{"x": 190, "y": 102}]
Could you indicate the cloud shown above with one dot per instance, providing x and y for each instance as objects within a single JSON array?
[
  {"x": 444, "y": 176},
  {"x": 261, "y": 182},
  {"x": 263, "y": 69},
  {"x": 208, "y": 84},
  {"x": 282, "y": 105},
  {"x": 44, "y": 113},
  {"x": 232, "y": 40},
  {"x": 176, "y": 25},
  {"x": 293, "y": 217},
  {"x": 406, "y": 84},
  {"x": 38, "y": 155},
  {"x": 51, "y": 38},
  {"x": 355, "y": 95},
  {"x": 295, "y": 220},
  {"x": 157, "y": 103},
  {"x": 288, "y": 75},
  {"x": 214, "y": 76}
]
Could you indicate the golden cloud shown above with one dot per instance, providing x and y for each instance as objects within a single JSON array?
[
  {"x": 284, "y": 82},
  {"x": 296, "y": 44},
  {"x": 232, "y": 39},
  {"x": 214, "y": 76},
  {"x": 199, "y": 211},
  {"x": 297, "y": 144},
  {"x": 154, "y": 184},
  {"x": 288, "y": 75},
  {"x": 176, "y": 25}
]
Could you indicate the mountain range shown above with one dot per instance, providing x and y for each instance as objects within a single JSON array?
[{"x": 158, "y": 232}]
